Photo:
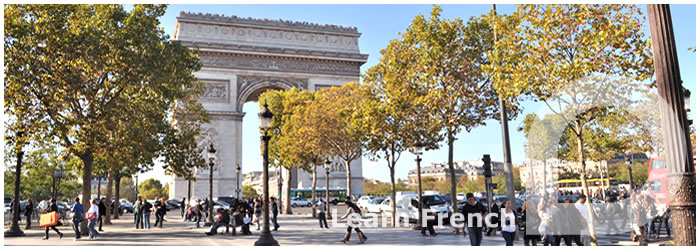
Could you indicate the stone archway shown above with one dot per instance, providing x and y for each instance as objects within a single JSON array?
[{"x": 243, "y": 57}]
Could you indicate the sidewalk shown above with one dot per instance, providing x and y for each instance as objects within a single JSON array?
[{"x": 294, "y": 230}]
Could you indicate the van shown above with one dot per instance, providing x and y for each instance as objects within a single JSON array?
[{"x": 407, "y": 206}]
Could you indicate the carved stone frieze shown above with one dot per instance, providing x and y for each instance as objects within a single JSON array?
[
  {"x": 216, "y": 91},
  {"x": 279, "y": 64}
]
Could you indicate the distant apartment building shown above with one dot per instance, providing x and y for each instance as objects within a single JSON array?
[
  {"x": 534, "y": 172},
  {"x": 440, "y": 171}
]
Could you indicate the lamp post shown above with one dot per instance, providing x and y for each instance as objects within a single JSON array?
[
  {"x": 628, "y": 162},
  {"x": 418, "y": 150},
  {"x": 238, "y": 181},
  {"x": 14, "y": 230},
  {"x": 57, "y": 174},
  {"x": 327, "y": 166},
  {"x": 212, "y": 157},
  {"x": 266, "y": 238}
]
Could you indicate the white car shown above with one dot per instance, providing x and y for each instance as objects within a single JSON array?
[
  {"x": 364, "y": 200},
  {"x": 385, "y": 206},
  {"x": 300, "y": 202},
  {"x": 373, "y": 206}
]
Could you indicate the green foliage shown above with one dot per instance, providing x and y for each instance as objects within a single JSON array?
[
  {"x": 379, "y": 188},
  {"x": 127, "y": 189},
  {"x": 640, "y": 172},
  {"x": 249, "y": 192},
  {"x": 152, "y": 189}
]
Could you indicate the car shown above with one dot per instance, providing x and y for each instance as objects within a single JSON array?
[
  {"x": 172, "y": 204},
  {"x": 407, "y": 206},
  {"x": 125, "y": 207},
  {"x": 227, "y": 199},
  {"x": 300, "y": 202},
  {"x": 373, "y": 205},
  {"x": 363, "y": 200},
  {"x": 221, "y": 204},
  {"x": 385, "y": 206},
  {"x": 461, "y": 197}
]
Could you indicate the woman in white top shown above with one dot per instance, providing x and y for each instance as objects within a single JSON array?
[
  {"x": 92, "y": 215},
  {"x": 353, "y": 216},
  {"x": 509, "y": 223}
]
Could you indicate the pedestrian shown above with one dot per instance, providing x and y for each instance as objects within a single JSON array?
[
  {"x": 222, "y": 219},
  {"x": 473, "y": 213},
  {"x": 321, "y": 207},
  {"x": 275, "y": 212},
  {"x": 29, "y": 209},
  {"x": 664, "y": 221},
  {"x": 198, "y": 215},
  {"x": 146, "y": 210},
  {"x": 76, "y": 212},
  {"x": 493, "y": 209},
  {"x": 508, "y": 222},
  {"x": 53, "y": 208},
  {"x": 103, "y": 211},
  {"x": 531, "y": 225},
  {"x": 545, "y": 228},
  {"x": 624, "y": 213},
  {"x": 428, "y": 223},
  {"x": 353, "y": 215},
  {"x": 577, "y": 222},
  {"x": 92, "y": 214},
  {"x": 258, "y": 212},
  {"x": 636, "y": 218},
  {"x": 182, "y": 208},
  {"x": 611, "y": 209},
  {"x": 138, "y": 213},
  {"x": 160, "y": 209},
  {"x": 205, "y": 207}
]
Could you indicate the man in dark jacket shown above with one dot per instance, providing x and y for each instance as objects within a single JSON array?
[
  {"x": 182, "y": 208},
  {"x": 475, "y": 211},
  {"x": 28, "y": 210},
  {"x": 275, "y": 212},
  {"x": 160, "y": 212},
  {"x": 222, "y": 220},
  {"x": 102, "y": 209}
]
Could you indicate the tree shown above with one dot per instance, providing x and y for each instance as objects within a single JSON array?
[
  {"x": 127, "y": 188},
  {"x": 391, "y": 120},
  {"x": 72, "y": 69},
  {"x": 564, "y": 52},
  {"x": 249, "y": 191},
  {"x": 334, "y": 115},
  {"x": 455, "y": 90},
  {"x": 151, "y": 189}
]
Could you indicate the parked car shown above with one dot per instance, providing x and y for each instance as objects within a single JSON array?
[
  {"x": 407, "y": 206},
  {"x": 220, "y": 204},
  {"x": 363, "y": 200},
  {"x": 385, "y": 206},
  {"x": 126, "y": 207},
  {"x": 300, "y": 202},
  {"x": 227, "y": 199},
  {"x": 172, "y": 204},
  {"x": 373, "y": 205}
]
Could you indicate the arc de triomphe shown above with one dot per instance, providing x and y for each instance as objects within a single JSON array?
[{"x": 243, "y": 57}]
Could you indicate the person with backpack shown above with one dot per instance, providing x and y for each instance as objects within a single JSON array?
[
  {"x": 76, "y": 212},
  {"x": 353, "y": 215},
  {"x": 146, "y": 210},
  {"x": 53, "y": 208},
  {"x": 92, "y": 214}
]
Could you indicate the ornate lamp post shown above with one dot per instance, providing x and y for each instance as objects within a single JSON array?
[
  {"x": 628, "y": 162},
  {"x": 57, "y": 174},
  {"x": 212, "y": 158},
  {"x": 266, "y": 238},
  {"x": 418, "y": 150},
  {"x": 327, "y": 166},
  {"x": 238, "y": 181},
  {"x": 14, "y": 230}
]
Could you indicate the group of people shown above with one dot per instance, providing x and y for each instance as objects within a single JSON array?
[
  {"x": 143, "y": 210},
  {"x": 241, "y": 213}
]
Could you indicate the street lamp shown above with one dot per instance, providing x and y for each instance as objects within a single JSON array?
[
  {"x": 14, "y": 230},
  {"x": 212, "y": 157},
  {"x": 628, "y": 162},
  {"x": 57, "y": 174},
  {"x": 418, "y": 150},
  {"x": 327, "y": 166},
  {"x": 266, "y": 239},
  {"x": 238, "y": 175}
]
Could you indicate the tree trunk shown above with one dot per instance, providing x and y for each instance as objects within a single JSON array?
[
  {"x": 584, "y": 183},
  {"x": 110, "y": 181},
  {"x": 87, "y": 184},
  {"x": 393, "y": 195},
  {"x": 453, "y": 178},
  {"x": 288, "y": 195},
  {"x": 313, "y": 189},
  {"x": 117, "y": 202},
  {"x": 347, "y": 177}
]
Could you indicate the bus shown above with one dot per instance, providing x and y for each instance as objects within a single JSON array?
[
  {"x": 656, "y": 181},
  {"x": 335, "y": 195},
  {"x": 574, "y": 185}
]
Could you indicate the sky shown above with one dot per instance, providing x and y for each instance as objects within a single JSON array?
[{"x": 381, "y": 23}]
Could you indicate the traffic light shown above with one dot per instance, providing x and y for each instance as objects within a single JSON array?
[{"x": 487, "y": 165}]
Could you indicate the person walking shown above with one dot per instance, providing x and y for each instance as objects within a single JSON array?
[
  {"x": 664, "y": 221},
  {"x": 258, "y": 212},
  {"x": 206, "y": 205},
  {"x": 92, "y": 214},
  {"x": 53, "y": 208},
  {"x": 76, "y": 212},
  {"x": 28, "y": 211},
  {"x": 611, "y": 209},
  {"x": 138, "y": 213},
  {"x": 353, "y": 216},
  {"x": 198, "y": 215},
  {"x": 146, "y": 210},
  {"x": 576, "y": 223},
  {"x": 493, "y": 209},
  {"x": 531, "y": 225},
  {"x": 321, "y": 207},
  {"x": 103, "y": 211},
  {"x": 545, "y": 228},
  {"x": 275, "y": 212},
  {"x": 473, "y": 212},
  {"x": 509, "y": 223},
  {"x": 182, "y": 208},
  {"x": 160, "y": 210},
  {"x": 429, "y": 223}
]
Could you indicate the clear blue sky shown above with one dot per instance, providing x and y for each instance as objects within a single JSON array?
[{"x": 378, "y": 25}]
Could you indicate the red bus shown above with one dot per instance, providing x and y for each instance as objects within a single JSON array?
[{"x": 656, "y": 182}]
